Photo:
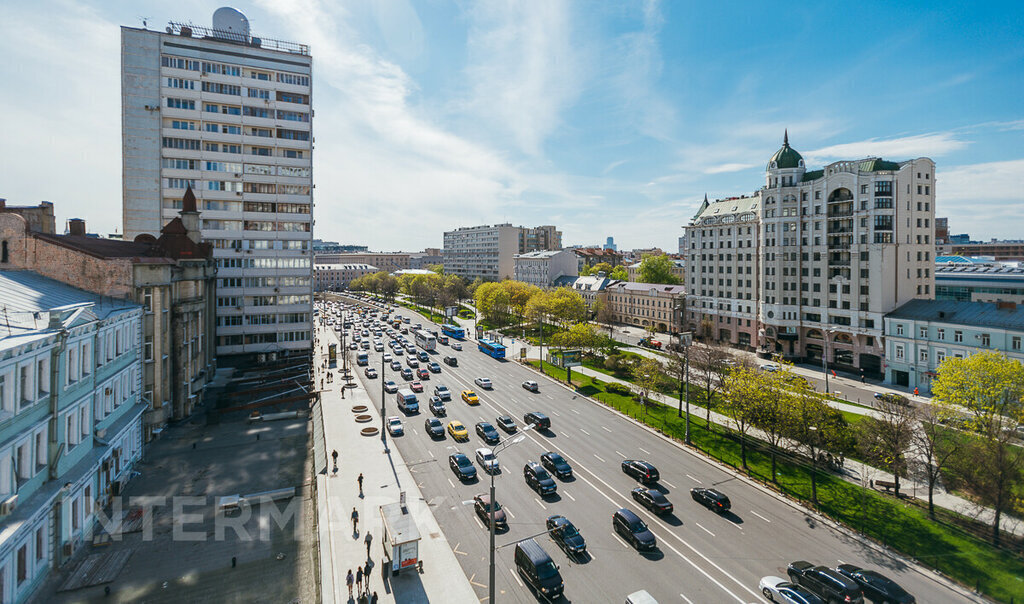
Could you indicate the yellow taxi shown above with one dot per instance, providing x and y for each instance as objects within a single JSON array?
[
  {"x": 457, "y": 430},
  {"x": 470, "y": 397}
]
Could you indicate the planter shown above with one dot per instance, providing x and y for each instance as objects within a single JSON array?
[
  {"x": 363, "y": 418},
  {"x": 359, "y": 409},
  {"x": 369, "y": 431}
]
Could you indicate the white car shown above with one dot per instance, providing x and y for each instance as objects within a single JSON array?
[
  {"x": 483, "y": 382},
  {"x": 370, "y": 372},
  {"x": 456, "y": 345},
  {"x": 378, "y": 346},
  {"x": 531, "y": 386},
  {"x": 388, "y": 357},
  {"x": 777, "y": 589},
  {"x": 487, "y": 460},
  {"x": 395, "y": 427},
  {"x": 770, "y": 367}
]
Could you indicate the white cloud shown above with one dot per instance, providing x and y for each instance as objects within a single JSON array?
[
  {"x": 918, "y": 145},
  {"x": 727, "y": 167},
  {"x": 985, "y": 200}
]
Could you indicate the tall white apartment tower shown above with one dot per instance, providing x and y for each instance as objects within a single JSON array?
[{"x": 227, "y": 114}]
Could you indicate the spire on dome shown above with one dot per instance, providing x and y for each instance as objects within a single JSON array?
[
  {"x": 705, "y": 198},
  {"x": 188, "y": 202},
  {"x": 785, "y": 138}
]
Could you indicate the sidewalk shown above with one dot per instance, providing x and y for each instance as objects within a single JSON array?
[
  {"x": 385, "y": 476},
  {"x": 854, "y": 471}
]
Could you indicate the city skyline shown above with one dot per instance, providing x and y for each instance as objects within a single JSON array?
[{"x": 599, "y": 119}]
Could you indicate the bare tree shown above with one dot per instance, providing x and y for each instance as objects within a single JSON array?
[
  {"x": 935, "y": 444},
  {"x": 706, "y": 364},
  {"x": 887, "y": 437}
]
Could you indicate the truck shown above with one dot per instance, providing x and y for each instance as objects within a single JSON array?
[{"x": 650, "y": 342}]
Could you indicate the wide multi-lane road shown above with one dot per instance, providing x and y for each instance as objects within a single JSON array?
[{"x": 701, "y": 556}]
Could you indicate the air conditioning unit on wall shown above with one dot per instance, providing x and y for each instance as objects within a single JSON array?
[{"x": 7, "y": 505}]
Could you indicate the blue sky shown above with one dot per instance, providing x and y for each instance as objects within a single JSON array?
[{"x": 605, "y": 119}]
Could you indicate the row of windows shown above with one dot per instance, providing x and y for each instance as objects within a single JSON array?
[
  {"x": 262, "y": 338},
  {"x": 232, "y": 70},
  {"x": 303, "y": 262},
  {"x": 229, "y": 282},
  {"x": 260, "y": 244}
]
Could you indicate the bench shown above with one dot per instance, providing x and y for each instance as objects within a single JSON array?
[{"x": 885, "y": 484}]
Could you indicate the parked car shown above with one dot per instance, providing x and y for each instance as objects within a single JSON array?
[
  {"x": 875, "y": 586},
  {"x": 554, "y": 463},
  {"x": 486, "y": 510},
  {"x": 395, "y": 427},
  {"x": 487, "y": 460},
  {"x": 654, "y": 501},
  {"x": 506, "y": 423},
  {"x": 434, "y": 427},
  {"x": 531, "y": 386},
  {"x": 565, "y": 534},
  {"x": 641, "y": 470},
  {"x": 487, "y": 432},
  {"x": 539, "y": 419},
  {"x": 712, "y": 499},
  {"x": 824, "y": 582},
  {"x": 461, "y": 465},
  {"x": 777, "y": 589},
  {"x": 538, "y": 479},
  {"x": 635, "y": 531}
]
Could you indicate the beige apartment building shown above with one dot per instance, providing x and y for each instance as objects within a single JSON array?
[
  {"x": 334, "y": 277},
  {"x": 488, "y": 252},
  {"x": 388, "y": 262},
  {"x": 646, "y": 304},
  {"x": 810, "y": 263}
]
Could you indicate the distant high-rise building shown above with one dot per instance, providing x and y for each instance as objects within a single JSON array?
[
  {"x": 487, "y": 252},
  {"x": 228, "y": 114},
  {"x": 609, "y": 244}
]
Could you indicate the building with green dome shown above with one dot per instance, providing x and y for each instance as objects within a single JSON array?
[{"x": 808, "y": 265}]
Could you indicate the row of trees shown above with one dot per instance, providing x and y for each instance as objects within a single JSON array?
[
  {"x": 511, "y": 302},
  {"x": 653, "y": 269},
  {"x": 431, "y": 290}
]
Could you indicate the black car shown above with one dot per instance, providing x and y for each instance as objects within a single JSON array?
[
  {"x": 422, "y": 356},
  {"x": 437, "y": 407},
  {"x": 434, "y": 427},
  {"x": 482, "y": 505},
  {"x": 536, "y": 417},
  {"x": 629, "y": 525},
  {"x": 825, "y": 583},
  {"x": 462, "y": 466},
  {"x": 711, "y": 499},
  {"x": 406, "y": 373},
  {"x": 566, "y": 536},
  {"x": 452, "y": 361},
  {"x": 640, "y": 470},
  {"x": 554, "y": 463},
  {"x": 538, "y": 479},
  {"x": 876, "y": 586},
  {"x": 506, "y": 423},
  {"x": 653, "y": 500},
  {"x": 487, "y": 432}
]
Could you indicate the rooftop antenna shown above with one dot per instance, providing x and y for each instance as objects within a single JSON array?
[{"x": 144, "y": 21}]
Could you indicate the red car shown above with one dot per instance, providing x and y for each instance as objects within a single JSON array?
[
  {"x": 416, "y": 387},
  {"x": 423, "y": 374}
]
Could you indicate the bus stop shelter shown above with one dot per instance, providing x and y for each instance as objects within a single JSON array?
[{"x": 401, "y": 537}]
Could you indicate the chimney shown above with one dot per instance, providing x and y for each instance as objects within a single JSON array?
[{"x": 76, "y": 226}]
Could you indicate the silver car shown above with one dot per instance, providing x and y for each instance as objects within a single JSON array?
[{"x": 487, "y": 460}]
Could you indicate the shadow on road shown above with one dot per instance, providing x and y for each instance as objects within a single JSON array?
[
  {"x": 733, "y": 518},
  {"x": 653, "y": 555}
]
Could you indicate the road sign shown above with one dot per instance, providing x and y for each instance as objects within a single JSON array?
[{"x": 450, "y": 311}]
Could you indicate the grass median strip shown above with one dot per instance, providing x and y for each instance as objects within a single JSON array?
[{"x": 900, "y": 525}]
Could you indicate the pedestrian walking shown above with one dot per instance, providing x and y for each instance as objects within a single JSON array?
[
  {"x": 373, "y": 598},
  {"x": 862, "y": 377},
  {"x": 368, "y": 539},
  {"x": 360, "y": 481},
  {"x": 916, "y": 393},
  {"x": 349, "y": 579},
  {"x": 359, "y": 580},
  {"x": 355, "y": 521},
  {"x": 334, "y": 456}
]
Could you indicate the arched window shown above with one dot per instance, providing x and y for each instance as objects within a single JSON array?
[
  {"x": 841, "y": 194},
  {"x": 843, "y": 338},
  {"x": 4, "y": 259},
  {"x": 814, "y": 334}
]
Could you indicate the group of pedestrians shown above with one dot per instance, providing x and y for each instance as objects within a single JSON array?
[{"x": 362, "y": 591}]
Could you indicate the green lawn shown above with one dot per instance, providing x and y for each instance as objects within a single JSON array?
[{"x": 898, "y": 524}]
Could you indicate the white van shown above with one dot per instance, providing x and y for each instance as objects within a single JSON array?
[{"x": 407, "y": 401}]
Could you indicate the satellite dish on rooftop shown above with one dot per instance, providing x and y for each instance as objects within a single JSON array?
[{"x": 227, "y": 19}]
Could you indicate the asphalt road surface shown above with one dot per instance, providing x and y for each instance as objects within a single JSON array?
[{"x": 701, "y": 556}]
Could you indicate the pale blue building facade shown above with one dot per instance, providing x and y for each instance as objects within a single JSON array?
[{"x": 70, "y": 420}]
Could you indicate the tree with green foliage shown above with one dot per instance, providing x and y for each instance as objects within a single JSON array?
[
  {"x": 580, "y": 335},
  {"x": 566, "y": 306},
  {"x": 814, "y": 428},
  {"x": 707, "y": 361},
  {"x": 619, "y": 273},
  {"x": 990, "y": 387},
  {"x": 437, "y": 268},
  {"x": 657, "y": 269},
  {"x": 742, "y": 392},
  {"x": 885, "y": 438},
  {"x": 647, "y": 376},
  {"x": 771, "y": 411}
]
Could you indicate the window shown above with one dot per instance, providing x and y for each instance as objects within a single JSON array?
[
  {"x": 40, "y": 544},
  {"x": 922, "y": 332},
  {"x": 899, "y": 329},
  {"x": 181, "y": 83},
  {"x": 43, "y": 375},
  {"x": 898, "y": 349},
  {"x": 180, "y": 103},
  {"x": 291, "y": 78},
  {"x": 985, "y": 340},
  {"x": 22, "y": 564},
  {"x": 1015, "y": 343},
  {"x": 940, "y": 334},
  {"x": 922, "y": 355},
  {"x": 28, "y": 393},
  {"x": 958, "y": 336},
  {"x": 940, "y": 355},
  {"x": 220, "y": 88},
  {"x": 41, "y": 447}
]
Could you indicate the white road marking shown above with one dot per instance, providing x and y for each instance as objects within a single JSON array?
[
  {"x": 556, "y": 414},
  {"x": 841, "y": 562},
  {"x": 566, "y": 493},
  {"x": 704, "y": 529},
  {"x": 605, "y": 429},
  {"x": 480, "y": 524},
  {"x": 431, "y": 453},
  {"x": 622, "y": 455},
  {"x": 584, "y": 431},
  {"x": 415, "y": 432},
  {"x": 763, "y": 518},
  {"x": 591, "y": 555},
  {"x": 694, "y": 479},
  {"x": 598, "y": 458},
  {"x": 575, "y": 411},
  {"x": 515, "y": 576},
  {"x": 619, "y": 539},
  {"x": 685, "y": 598},
  {"x": 644, "y": 450},
  {"x": 509, "y": 512},
  {"x": 549, "y": 396},
  {"x": 540, "y": 503},
  {"x": 670, "y": 485},
  {"x": 451, "y": 483}
]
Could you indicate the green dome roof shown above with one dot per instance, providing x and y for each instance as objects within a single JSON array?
[{"x": 786, "y": 157}]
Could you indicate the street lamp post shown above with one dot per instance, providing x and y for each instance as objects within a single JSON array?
[
  {"x": 491, "y": 511},
  {"x": 824, "y": 356},
  {"x": 814, "y": 464},
  {"x": 685, "y": 340},
  {"x": 383, "y": 399}
]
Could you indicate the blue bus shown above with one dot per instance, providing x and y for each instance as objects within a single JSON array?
[
  {"x": 491, "y": 348},
  {"x": 453, "y": 331}
]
